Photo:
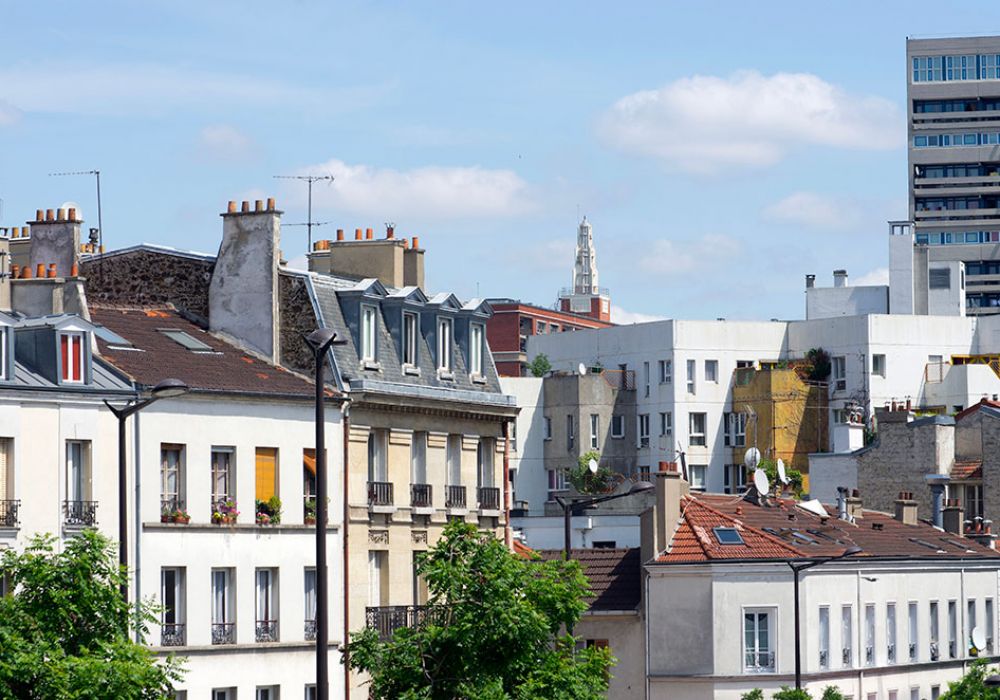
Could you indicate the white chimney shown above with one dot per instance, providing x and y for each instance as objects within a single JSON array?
[{"x": 840, "y": 278}]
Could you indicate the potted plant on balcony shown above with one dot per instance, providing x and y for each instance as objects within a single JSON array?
[
  {"x": 269, "y": 511},
  {"x": 167, "y": 515},
  {"x": 225, "y": 512},
  {"x": 181, "y": 517},
  {"x": 310, "y": 514}
]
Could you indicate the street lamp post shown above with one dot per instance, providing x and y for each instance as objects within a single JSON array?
[
  {"x": 797, "y": 568},
  {"x": 320, "y": 341},
  {"x": 569, "y": 506},
  {"x": 164, "y": 390}
]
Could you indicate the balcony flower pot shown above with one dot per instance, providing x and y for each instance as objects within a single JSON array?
[
  {"x": 310, "y": 520},
  {"x": 182, "y": 518},
  {"x": 166, "y": 518},
  {"x": 263, "y": 519}
]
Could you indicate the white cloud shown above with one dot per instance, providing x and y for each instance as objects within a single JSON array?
[
  {"x": 878, "y": 276},
  {"x": 620, "y": 315},
  {"x": 225, "y": 142},
  {"x": 8, "y": 113},
  {"x": 429, "y": 192},
  {"x": 670, "y": 257},
  {"x": 705, "y": 123},
  {"x": 814, "y": 210}
]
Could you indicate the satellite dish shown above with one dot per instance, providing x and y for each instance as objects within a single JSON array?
[
  {"x": 581, "y": 369},
  {"x": 752, "y": 458},
  {"x": 593, "y": 466},
  {"x": 978, "y": 638},
  {"x": 760, "y": 481},
  {"x": 782, "y": 477}
]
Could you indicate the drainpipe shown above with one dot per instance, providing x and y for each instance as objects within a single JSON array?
[
  {"x": 505, "y": 427},
  {"x": 345, "y": 423},
  {"x": 937, "y": 483},
  {"x": 138, "y": 513}
]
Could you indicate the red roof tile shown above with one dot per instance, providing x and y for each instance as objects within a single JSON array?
[
  {"x": 967, "y": 469},
  {"x": 975, "y": 407},
  {"x": 615, "y": 576}
]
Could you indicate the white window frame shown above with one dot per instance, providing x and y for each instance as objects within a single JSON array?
[
  {"x": 378, "y": 455},
  {"x": 410, "y": 334},
  {"x": 879, "y": 364},
  {"x": 418, "y": 457},
  {"x": 736, "y": 429},
  {"x": 76, "y": 344},
  {"x": 227, "y": 474},
  {"x": 752, "y": 656},
  {"x": 824, "y": 637},
  {"x": 953, "y": 629},
  {"x": 169, "y": 470},
  {"x": 309, "y": 594},
  {"x": 666, "y": 423},
  {"x": 913, "y": 625},
  {"x": 445, "y": 333},
  {"x": 891, "y": 647},
  {"x": 266, "y": 594},
  {"x": 847, "y": 636},
  {"x": 618, "y": 426},
  {"x": 712, "y": 371},
  {"x": 79, "y": 476},
  {"x": 643, "y": 430},
  {"x": 697, "y": 435},
  {"x": 477, "y": 345},
  {"x": 223, "y": 609},
  {"x": 692, "y": 369},
  {"x": 698, "y": 473},
  {"x": 666, "y": 371},
  {"x": 869, "y": 634},
  {"x": 839, "y": 371},
  {"x": 485, "y": 451},
  {"x": 175, "y": 615},
  {"x": 934, "y": 626},
  {"x": 369, "y": 333}
]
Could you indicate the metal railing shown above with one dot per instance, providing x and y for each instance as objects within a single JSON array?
[
  {"x": 223, "y": 633},
  {"x": 824, "y": 658},
  {"x": 454, "y": 497},
  {"x": 310, "y": 630},
  {"x": 421, "y": 495},
  {"x": 387, "y": 619},
  {"x": 869, "y": 655},
  {"x": 8, "y": 513},
  {"x": 379, "y": 493},
  {"x": 759, "y": 662},
  {"x": 934, "y": 651},
  {"x": 489, "y": 498},
  {"x": 623, "y": 379},
  {"x": 172, "y": 634},
  {"x": 267, "y": 631},
  {"x": 890, "y": 653},
  {"x": 846, "y": 656},
  {"x": 913, "y": 651},
  {"x": 80, "y": 513}
]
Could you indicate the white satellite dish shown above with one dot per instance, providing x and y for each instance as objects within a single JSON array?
[
  {"x": 752, "y": 458},
  {"x": 581, "y": 369},
  {"x": 978, "y": 638},
  {"x": 593, "y": 466},
  {"x": 782, "y": 477},
  {"x": 760, "y": 481}
]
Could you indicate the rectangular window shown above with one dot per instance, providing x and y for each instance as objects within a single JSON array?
[
  {"x": 952, "y": 629},
  {"x": 309, "y": 477},
  {"x": 484, "y": 461},
  {"x": 378, "y": 447},
  {"x": 890, "y": 633},
  {"x": 223, "y": 486},
  {"x": 758, "y": 641},
  {"x": 666, "y": 424},
  {"x": 418, "y": 458},
  {"x": 939, "y": 278},
  {"x": 453, "y": 457},
  {"x": 267, "y": 692},
  {"x": 267, "y": 605},
  {"x": 696, "y": 429},
  {"x": 618, "y": 426},
  {"x": 988, "y": 632},
  {"x": 839, "y": 373},
  {"x": 7, "y": 478},
  {"x": 409, "y": 339},
  {"x": 736, "y": 429},
  {"x": 712, "y": 371},
  {"x": 666, "y": 371},
  {"x": 547, "y": 427},
  {"x": 570, "y": 433},
  {"x": 557, "y": 483},
  {"x": 643, "y": 430},
  {"x": 309, "y": 603},
  {"x": 914, "y": 635},
  {"x": 735, "y": 478},
  {"x": 595, "y": 429},
  {"x": 369, "y": 328},
  {"x": 477, "y": 344},
  {"x": 223, "y": 608},
  {"x": 78, "y": 475},
  {"x": 266, "y": 472},
  {"x": 223, "y": 693},
  {"x": 869, "y": 635},
  {"x": 878, "y": 365},
  {"x": 645, "y": 375},
  {"x": 172, "y": 607},
  {"x": 71, "y": 356},
  {"x": 935, "y": 652},
  {"x": 846, "y": 636},
  {"x": 171, "y": 477},
  {"x": 698, "y": 472},
  {"x": 378, "y": 578},
  {"x": 691, "y": 368},
  {"x": 444, "y": 327},
  {"x": 973, "y": 501},
  {"x": 935, "y": 692},
  {"x": 824, "y": 637},
  {"x": 970, "y": 620}
]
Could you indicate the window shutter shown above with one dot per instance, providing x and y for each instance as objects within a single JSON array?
[{"x": 266, "y": 472}]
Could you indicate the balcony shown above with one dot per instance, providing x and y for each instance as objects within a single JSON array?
[
  {"x": 489, "y": 498},
  {"x": 934, "y": 651},
  {"x": 387, "y": 619},
  {"x": 824, "y": 658},
  {"x": 8, "y": 513},
  {"x": 846, "y": 657},
  {"x": 421, "y": 496},
  {"x": 172, "y": 634},
  {"x": 759, "y": 662},
  {"x": 223, "y": 633},
  {"x": 309, "y": 629},
  {"x": 79, "y": 513},
  {"x": 890, "y": 653},
  {"x": 454, "y": 497},
  {"x": 869, "y": 656},
  {"x": 267, "y": 631},
  {"x": 379, "y": 494}
]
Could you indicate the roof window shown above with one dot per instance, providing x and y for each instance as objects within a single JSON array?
[
  {"x": 185, "y": 340},
  {"x": 728, "y": 535}
]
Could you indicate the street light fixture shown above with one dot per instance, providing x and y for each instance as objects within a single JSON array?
[
  {"x": 798, "y": 567},
  {"x": 569, "y": 506},
  {"x": 166, "y": 389}
]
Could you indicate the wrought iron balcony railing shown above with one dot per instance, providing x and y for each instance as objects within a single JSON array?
[
  {"x": 869, "y": 655},
  {"x": 387, "y": 619},
  {"x": 379, "y": 493},
  {"x": 310, "y": 630},
  {"x": 489, "y": 498},
  {"x": 80, "y": 513},
  {"x": 846, "y": 656},
  {"x": 934, "y": 651},
  {"x": 421, "y": 495},
  {"x": 172, "y": 634},
  {"x": 267, "y": 630},
  {"x": 759, "y": 662},
  {"x": 890, "y": 653},
  {"x": 223, "y": 633},
  {"x": 824, "y": 658},
  {"x": 454, "y": 497},
  {"x": 8, "y": 513}
]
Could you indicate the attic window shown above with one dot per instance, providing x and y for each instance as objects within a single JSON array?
[
  {"x": 71, "y": 357},
  {"x": 728, "y": 535},
  {"x": 185, "y": 340}
]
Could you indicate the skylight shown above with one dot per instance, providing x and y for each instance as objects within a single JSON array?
[
  {"x": 728, "y": 535},
  {"x": 185, "y": 340}
]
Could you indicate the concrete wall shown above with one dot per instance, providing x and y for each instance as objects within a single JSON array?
[
  {"x": 388, "y": 260},
  {"x": 625, "y": 634},
  {"x": 829, "y": 471},
  {"x": 548, "y": 532},
  {"x": 961, "y": 385},
  {"x": 827, "y": 302},
  {"x": 55, "y": 242},
  {"x": 531, "y": 480}
]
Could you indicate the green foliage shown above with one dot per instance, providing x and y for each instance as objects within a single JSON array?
[
  {"x": 268, "y": 512},
  {"x": 585, "y": 481},
  {"x": 972, "y": 686},
  {"x": 770, "y": 468},
  {"x": 787, "y": 693},
  {"x": 65, "y": 634},
  {"x": 832, "y": 692},
  {"x": 494, "y": 633},
  {"x": 540, "y": 366},
  {"x": 755, "y": 694},
  {"x": 819, "y": 359}
]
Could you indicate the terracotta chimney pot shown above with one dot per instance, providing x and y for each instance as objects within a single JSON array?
[
  {"x": 416, "y": 242},
  {"x": 74, "y": 270},
  {"x": 270, "y": 203},
  {"x": 244, "y": 206},
  {"x": 26, "y": 272},
  {"x": 71, "y": 214},
  {"x": 369, "y": 234},
  {"x": 40, "y": 270},
  {"x": 389, "y": 232},
  {"x": 60, "y": 214},
  {"x": 52, "y": 270},
  {"x": 231, "y": 208},
  {"x": 15, "y": 270},
  {"x": 50, "y": 215},
  {"x": 258, "y": 205},
  {"x": 340, "y": 234},
  {"x": 357, "y": 234},
  {"x": 39, "y": 215}
]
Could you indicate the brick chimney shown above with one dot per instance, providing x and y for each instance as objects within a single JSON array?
[
  {"x": 243, "y": 293},
  {"x": 855, "y": 506},
  {"x": 47, "y": 258},
  {"x": 390, "y": 260},
  {"x": 906, "y": 508},
  {"x": 659, "y": 523},
  {"x": 953, "y": 517}
]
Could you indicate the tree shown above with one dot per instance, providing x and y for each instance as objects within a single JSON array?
[
  {"x": 972, "y": 686},
  {"x": 491, "y": 630},
  {"x": 586, "y": 481},
  {"x": 65, "y": 631},
  {"x": 819, "y": 364},
  {"x": 831, "y": 692},
  {"x": 540, "y": 366},
  {"x": 794, "y": 476}
]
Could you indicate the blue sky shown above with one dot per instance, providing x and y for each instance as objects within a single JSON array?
[{"x": 722, "y": 150}]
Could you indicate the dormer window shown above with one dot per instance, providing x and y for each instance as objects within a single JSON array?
[
  {"x": 71, "y": 356},
  {"x": 368, "y": 335},
  {"x": 444, "y": 336},
  {"x": 476, "y": 345},
  {"x": 409, "y": 339}
]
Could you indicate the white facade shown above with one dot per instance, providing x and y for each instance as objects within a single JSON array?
[{"x": 527, "y": 456}]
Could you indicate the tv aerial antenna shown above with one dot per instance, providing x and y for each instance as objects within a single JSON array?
[
  {"x": 309, "y": 179},
  {"x": 97, "y": 176}
]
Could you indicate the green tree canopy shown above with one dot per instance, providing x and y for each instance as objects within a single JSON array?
[
  {"x": 65, "y": 631},
  {"x": 586, "y": 481},
  {"x": 540, "y": 366},
  {"x": 972, "y": 686},
  {"x": 495, "y": 631}
]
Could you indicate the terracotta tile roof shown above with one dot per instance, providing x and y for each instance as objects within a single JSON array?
[
  {"x": 615, "y": 576},
  {"x": 975, "y": 407},
  {"x": 786, "y": 531},
  {"x": 522, "y": 550},
  {"x": 154, "y": 356},
  {"x": 967, "y": 469}
]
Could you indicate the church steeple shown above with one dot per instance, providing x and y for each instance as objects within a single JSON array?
[{"x": 585, "y": 270}]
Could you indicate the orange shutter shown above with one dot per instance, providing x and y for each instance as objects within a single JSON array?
[{"x": 267, "y": 458}]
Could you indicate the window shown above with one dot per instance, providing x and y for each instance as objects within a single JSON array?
[
  {"x": 444, "y": 327},
  {"x": 476, "y": 345},
  {"x": 570, "y": 434},
  {"x": 595, "y": 430},
  {"x": 223, "y": 609},
  {"x": 758, "y": 646},
  {"x": 840, "y": 373},
  {"x": 666, "y": 424},
  {"x": 172, "y": 607},
  {"x": 952, "y": 629},
  {"x": 309, "y": 604},
  {"x": 690, "y": 376},
  {"x": 557, "y": 483},
  {"x": 223, "y": 486},
  {"x": 914, "y": 637},
  {"x": 869, "y": 635},
  {"x": 547, "y": 427},
  {"x": 728, "y": 535},
  {"x": 453, "y": 457},
  {"x": 643, "y": 430},
  {"x": 3, "y": 352},
  {"x": 186, "y": 340},
  {"x": 484, "y": 461},
  {"x": 890, "y": 633},
  {"x": 973, "y": 501},
  {"x": 309, "y": 476},
  {"x": 735, "y": 478},
  {"x": 71, "y": 351},
  {"x": 846, "y": 637},
  {"x": 712, "y": 371},
  {"x": 378, "y": 578},
  {"x": 697, "y": 473},
  {"x": 824, "y": 637},
  {"x": 409, "y": 339},
  {"x": 418, "y": 458},
  {"x": 736, "y": 429},
  {"x": 618, "y": 426},
  {"x": 934, "y": 622},
  {"x": 78, "y": 475},
  {"x": 878, "y": 365},
  {"x": 223, "y": 693},
  {"x": 8, "y": 517},
  {"x": 915, "y": 693},
  {"x": 266, "y": 469},
  {"x": 267, "y": 605},
  {"x": 939, "y": 278},
  {"x": 171, "y": 477},
  {"x": 645, "y": 375},
  {"x": 604, "y": 544},
  {"x": 988, "y": 633},
  {"x": 935, "y": 692},
  {"x": 666, "y": 371},
  {"x": 970, "y": 619},
  {"x": 368, "y": 333},
  {"x": 267, "y": 692},
  {"x": 378, "y": 469},
  {"x": 696, "y": 429},
  {"x": 310, "y": 692}
]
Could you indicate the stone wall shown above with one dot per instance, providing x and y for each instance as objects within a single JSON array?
[
  {"x": 297, "y": 317},
  {"x": 990, "y": 427},
  {"x": 150, "y": 278}
]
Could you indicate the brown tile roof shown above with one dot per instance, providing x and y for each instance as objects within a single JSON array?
[
  {"x": 975, "y": 407},
  {"x": 967, "y": 469},
  {"x": 154, "y": 356},
  {"x": 615, "y": 576},
  {"x": 786, "y": 531}
]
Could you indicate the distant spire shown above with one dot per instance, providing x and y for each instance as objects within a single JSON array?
[{"x": 585, "y": 270}]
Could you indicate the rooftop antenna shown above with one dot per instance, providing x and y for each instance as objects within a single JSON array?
[
  {"x": 97, "y": 175},
  {"x": 310, "y": 179}
]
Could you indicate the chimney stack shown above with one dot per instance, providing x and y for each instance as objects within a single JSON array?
[
  {"x": 660, "y": 522},
  {"x": 390, "y": 232},
  {"x": 906, "y": 508},
  {"x": 369, "y": 234},
  {"x": 953, "y": 517},
  {"x": 810, "y": 281},
  {"x": 855, "y": 506},
  {"x": 840, "y": 278},
  {"x": 842, "y": 503}
]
